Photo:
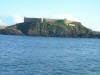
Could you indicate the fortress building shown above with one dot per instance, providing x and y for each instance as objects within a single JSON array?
[
  {"x": 33, "y": 19},
  {"x": 41, "y": 20}
]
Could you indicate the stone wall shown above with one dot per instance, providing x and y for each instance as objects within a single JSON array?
[
  {"x": 32, "y": 20},
  {"x": 41, "y": 20}
]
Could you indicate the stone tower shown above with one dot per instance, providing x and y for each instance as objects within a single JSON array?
[
  {"x": 41, "y": 20},
  {"x": 65, "y": 20}
]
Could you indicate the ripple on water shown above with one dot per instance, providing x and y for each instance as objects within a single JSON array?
[{"x": 49, "y": 56}]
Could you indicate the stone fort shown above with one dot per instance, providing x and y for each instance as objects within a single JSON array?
[{"x": 41, "y": 20}]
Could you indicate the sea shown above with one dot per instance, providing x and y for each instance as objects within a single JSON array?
[{"x": 31, "y": 55}]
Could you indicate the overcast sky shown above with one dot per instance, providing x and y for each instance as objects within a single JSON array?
[{"x": 85, "y": 11}]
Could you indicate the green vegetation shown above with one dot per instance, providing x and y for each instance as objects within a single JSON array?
[{"x": 52, "y": 29}]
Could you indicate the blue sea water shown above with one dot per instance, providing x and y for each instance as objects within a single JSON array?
[{"x": 24, "y": 55}]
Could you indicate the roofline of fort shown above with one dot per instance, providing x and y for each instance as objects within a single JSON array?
[{"x": 44, "y": 18}]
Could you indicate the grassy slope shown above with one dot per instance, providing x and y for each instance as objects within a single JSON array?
[
  {"x": 48, "y": 28},
  {"x": 53, "y": 29},
  {"x": 2, "y": 27}
]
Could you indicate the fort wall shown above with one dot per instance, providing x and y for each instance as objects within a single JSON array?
[
  {"x": 32, "y": 20},
  {"x": 41, "y": 20}
]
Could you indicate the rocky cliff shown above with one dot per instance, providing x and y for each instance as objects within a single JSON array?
[{"x": 51, "y": 29}]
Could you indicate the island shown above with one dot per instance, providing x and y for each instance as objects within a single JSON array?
[{"x": 49, "y": 28}]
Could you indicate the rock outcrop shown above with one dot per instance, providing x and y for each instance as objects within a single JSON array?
[{"x": 51, "y": 29}]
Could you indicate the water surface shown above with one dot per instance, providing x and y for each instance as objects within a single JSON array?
[{"x": 24, "y": 55}]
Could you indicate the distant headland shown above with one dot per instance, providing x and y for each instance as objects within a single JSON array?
[{"x": 49, "y": 27}]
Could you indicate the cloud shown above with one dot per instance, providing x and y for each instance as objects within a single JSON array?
[
  {"x": 95, "y": 27},
  {"x": 1, "y": 22},
  {"x": 67, "y": 16},
  {"x": 18, "y": 19}
]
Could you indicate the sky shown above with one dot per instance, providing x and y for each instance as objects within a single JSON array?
[{"x": 85, "y": 11}]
